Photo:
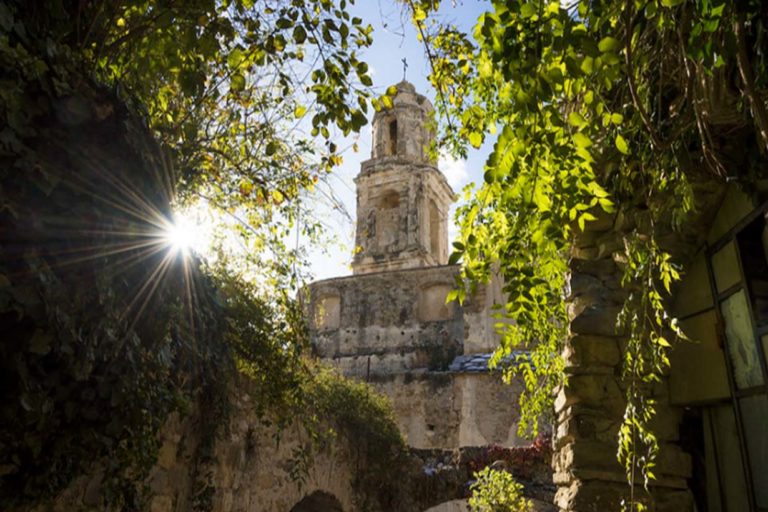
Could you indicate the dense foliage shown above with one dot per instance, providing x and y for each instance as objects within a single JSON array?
[
  {"x": 110, "y": 112},
  {"x": 365, "y": 420},
  {"x": 596, "y": 106}
]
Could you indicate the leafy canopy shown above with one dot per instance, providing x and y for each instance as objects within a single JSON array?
[
  {"x": 247, "y": 95},
  {"x": 596, "y": 106}
]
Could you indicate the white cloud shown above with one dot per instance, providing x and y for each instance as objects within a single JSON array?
[{"x": 455, "y": 171}]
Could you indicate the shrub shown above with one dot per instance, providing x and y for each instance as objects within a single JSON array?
[{"x": 497, "y": 491}]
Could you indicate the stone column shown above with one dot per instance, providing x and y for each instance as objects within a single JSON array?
[{"x": 590, "y": 408}]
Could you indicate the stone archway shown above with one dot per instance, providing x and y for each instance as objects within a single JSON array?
[{"x": 318, "y": 501}]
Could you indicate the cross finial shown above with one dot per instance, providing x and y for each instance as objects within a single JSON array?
[{"x": 405, "y": 66}]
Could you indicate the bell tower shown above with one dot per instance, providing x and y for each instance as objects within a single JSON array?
[{"x": 402, "y": 198}]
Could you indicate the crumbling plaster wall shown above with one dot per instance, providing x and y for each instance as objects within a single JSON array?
[{"x": 448, "y": 410}]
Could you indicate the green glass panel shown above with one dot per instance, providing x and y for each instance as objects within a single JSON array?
[
  {"x": 742, "y": 346},
  {"x": 711, "y": 468},
  {"x": 726, "y": 267},
  {"x": 729, "y": 457},
  {"x": 754, "y": 417}
]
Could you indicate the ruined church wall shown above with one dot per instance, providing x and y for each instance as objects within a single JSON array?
[
  {"x": 252, "y": 469},
  {"x": 390, "y": 322},
  {"x": 394, "y": 330}
]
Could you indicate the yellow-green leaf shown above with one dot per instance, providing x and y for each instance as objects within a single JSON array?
[
  {"x": 581, "y": 140},
  {"x": 621, "y": 144},
  {"x": 608, "y": 44},
  {"x": 576, "y": 119}
]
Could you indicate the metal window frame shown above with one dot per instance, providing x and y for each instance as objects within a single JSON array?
[{"x": 757, "y": 332}]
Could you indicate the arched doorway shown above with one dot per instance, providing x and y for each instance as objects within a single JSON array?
[{"x": 318, "y": 501}]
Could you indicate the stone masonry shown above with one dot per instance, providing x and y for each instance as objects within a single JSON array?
[{"x": 589, "y": 410}]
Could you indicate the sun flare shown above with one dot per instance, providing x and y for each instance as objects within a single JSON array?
[{"x": 181, "y": 236}]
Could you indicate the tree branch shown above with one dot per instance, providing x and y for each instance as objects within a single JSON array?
[{"x": 745, "y": 71}]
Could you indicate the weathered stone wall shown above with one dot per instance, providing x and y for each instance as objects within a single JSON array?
[
  {"x": 589, "y": 410},
  {"x": 252, "y": 469},
  {"x": 447, "y": 409},
  {"x": 389, "y": 322},
  {"x": 395, "y": 330}
]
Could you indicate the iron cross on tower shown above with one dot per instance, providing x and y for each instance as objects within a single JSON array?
[{"x": 405, "y": 66}]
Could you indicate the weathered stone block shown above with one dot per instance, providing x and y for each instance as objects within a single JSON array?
[
  {"x": 673, "y": 461},
  {"x": 596, "y": 320},
  {"x": 599, "y": 392},
  {"x": 587, "y": 350},
  {"x": 590, "y": 496},
  {"x": 603, "y": 268}
]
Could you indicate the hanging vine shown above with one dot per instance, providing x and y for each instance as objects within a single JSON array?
[{"x": 595, "y": 106}]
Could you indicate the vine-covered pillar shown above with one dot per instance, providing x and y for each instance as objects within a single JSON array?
[{"x": 590, "y": 407}]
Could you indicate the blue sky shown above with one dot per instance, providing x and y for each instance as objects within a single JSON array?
[{"x": 393, "y": 39}]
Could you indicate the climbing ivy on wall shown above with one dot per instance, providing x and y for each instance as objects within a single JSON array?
[{"x": 596, "y": 106}]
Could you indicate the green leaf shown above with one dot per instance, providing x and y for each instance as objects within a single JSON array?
[
  {"x": 527, "y": 10},
  {"x": 608, "y": 44},
  {"x": 237, "y": 82},
  {"x": 235, "y": 58},
  {"x": 622, "y": 145},
  {"x": 576, "y": 119},
  {"x": 476, "y": 139},
  {"x": 299, "y": 34},
  {"x": 299, "y": 111},
  {"x": 581, "y": 140}
]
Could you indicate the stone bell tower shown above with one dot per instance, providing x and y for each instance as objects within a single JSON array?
[{"x": 402, "y": 197}]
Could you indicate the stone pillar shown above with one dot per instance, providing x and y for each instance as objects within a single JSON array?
[{"x": 590, "y": 408}]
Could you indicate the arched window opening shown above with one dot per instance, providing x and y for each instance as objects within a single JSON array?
[
  {"x": 393, "y": 137},
  {"x": 318, "y": 501}
]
